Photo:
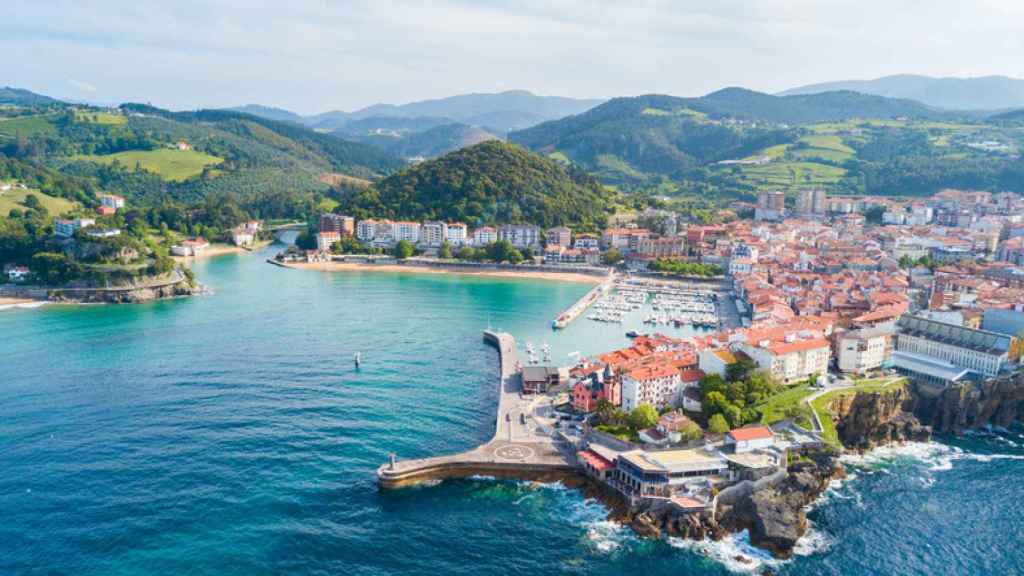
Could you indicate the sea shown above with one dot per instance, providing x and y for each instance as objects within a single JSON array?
[{"x": 231, "y": 434}]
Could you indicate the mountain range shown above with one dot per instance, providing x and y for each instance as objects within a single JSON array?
[{"x": 981, "y": 93}]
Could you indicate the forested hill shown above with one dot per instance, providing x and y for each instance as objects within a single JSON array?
[
  {"x": 735, "y": 142},
  {"x": 489, "y": 183}
]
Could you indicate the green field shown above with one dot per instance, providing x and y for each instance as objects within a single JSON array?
[
  {"x": 107, "y": 118},
  {"x": 790, "y": 174},
  {"x": 16, "y": 198},
  {"x": 27, "y": 125},
  {"x": 169, "y": 164},
  {"x": 780, "y": 406}
]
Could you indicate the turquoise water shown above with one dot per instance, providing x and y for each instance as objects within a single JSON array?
[{"x": 230, "y": 434}]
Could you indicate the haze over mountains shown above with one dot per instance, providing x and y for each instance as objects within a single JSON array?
[{"x": 982, "y": 93}]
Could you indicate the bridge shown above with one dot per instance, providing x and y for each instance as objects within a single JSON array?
[
  {"x": 520, "y": 448},
  {"x": 278, "y": 229}
]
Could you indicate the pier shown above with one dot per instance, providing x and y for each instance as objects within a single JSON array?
[
  {"x": 580, "y": 306},
  {"x": 520, "y": 448}
]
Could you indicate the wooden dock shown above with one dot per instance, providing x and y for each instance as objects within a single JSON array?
[{"x": 514, "y": 452}]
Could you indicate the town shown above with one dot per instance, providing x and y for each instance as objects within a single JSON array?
[{"x": 831, "y": 296}]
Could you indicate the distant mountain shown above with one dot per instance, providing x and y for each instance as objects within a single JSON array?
[
  {"x": 270, "y": 113},
  {"x": 981, "y": 93},
  {"x": 489, "y": 183},
  {"x": 629, "y": 139},
  {"x": 1009, "y": 116},
  {"x": 22, "y": 97},
  {"x": 503, "y": 111},
  {"x": 428, "y": 143}
]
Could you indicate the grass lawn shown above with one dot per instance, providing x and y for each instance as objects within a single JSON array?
[
  {"x": 16, "y": 198},
  {"x": 327, "y": 204},
  {"x": 27, "y": 125},
  {"x": 621, "y": 432},
  {"x": 559, "y": 157},
  {"x": 169, "y": 164},
  {"x": 821, "y": 403},
  {"x": 790, "y": 174},
  {"x": 99, "y": 118},
  {"x": 776, "y": 407}
]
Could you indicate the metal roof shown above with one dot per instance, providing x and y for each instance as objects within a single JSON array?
[{"x": 978, "y": 340}]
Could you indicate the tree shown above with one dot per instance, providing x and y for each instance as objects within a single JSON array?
[
  {"x": 690, "y": 431},
  {"x": 445, "y": 252},
  {"x": 739, "y": 369},
  {"x": 305, "y": 240},
  {"x": 604, "y": 410},
  {"x": 718, "y": 425},
  {"x": 53, "y": 268},
  {"x": 467, "y": 253},
  {"x": 643, "y": 416},
  {"x": 31, "y": 201},
  {"x": 403, "y": 249},
  {"x": 612, "y": 257}
]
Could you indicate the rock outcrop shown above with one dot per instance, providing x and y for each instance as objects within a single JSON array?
[
  {"x": 172, "y": 285},
  {"x": 995, "y": 402},
  {"x": 775, "y": 513},
  {"x": 868, "y": 419}
]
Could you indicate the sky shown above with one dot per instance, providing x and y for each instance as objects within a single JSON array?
[{"x": 312, "y": 56}]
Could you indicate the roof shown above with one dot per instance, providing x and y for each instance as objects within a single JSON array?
[
  {"x": 928, "y": 366},
  {"x": 595, "y": 460},
  {"x": 538, "y": 373},
  {"x": 751, "y": 433},
  {"x": 978, "y": 340}
]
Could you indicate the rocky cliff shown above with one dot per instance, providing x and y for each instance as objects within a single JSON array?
[
  {"x": 772, "y": 509},
  {"x": 143, "y": 289},
  {"x": 868, "y": 419},
  {"x": 995, "y": 402}
]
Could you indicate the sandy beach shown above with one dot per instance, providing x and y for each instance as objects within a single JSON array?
[
  {"x": 532, "y": 274},
  {"x": 4, "y": 301},
  {"x": 220, "y": 250}
]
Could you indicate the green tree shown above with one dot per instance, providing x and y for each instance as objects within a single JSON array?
[
  {"x": 305, "y": 240},
  {"x": 604, "y": 410},
  {"x": 690, "y": 431},
  {"x": 612, "y": 257},
  {"x": 467, "y": 253},
  {"x": 31, "y": 201},
  {"x": 739, "y": 369},
  {"x": 403, "y": 249},
  {"x": 53, "y": 268},
  {"x": 445, "y": 252},
  {"x": 643, "y": 416},
  {"x": 717, "y": 424}
]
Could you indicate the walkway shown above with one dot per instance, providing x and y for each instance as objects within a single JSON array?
[{"x": 519, "y": 449}]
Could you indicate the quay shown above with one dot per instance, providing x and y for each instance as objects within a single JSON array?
[
  {"x": 580, "y": 306},
  {"x": 520, "y": 447}
]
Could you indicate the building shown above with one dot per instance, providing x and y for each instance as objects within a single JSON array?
[
  {"x": 771, "y": 205},
  {"x": 717, "y": 360},
  {"x": 366, "y": 230},
  {"x": 558, "y": 236},
  {"x": 67, "y": 228},
  {"x": 484, "y": 235},
  {"x": 587, "y": 242},
  {"x": 96, "y": 232},
  {"x": 408, "y": 231},
  {"x": 921, "y": 342},
  {"x": 105, "y": 210},
  {"x": 657, "y": 385},
  {"x": 624, "y": 240},
  {"x": 664, "y": 247},
  {"x": 112, "y": 201},
  {"x": 750, "y": 438},
  {"x": 812, "y": 201},
  {"x": 344, "y": 225},
  {"x": 183, "y": 145},
  {"x": 16, "y": 273},
  {"x": 539, "y": 379},
  {"x": 859, "y": 351},
  {"x": 456, "y": 233},
  {"x": 520, "y": 235},
  {"x": 596, "y": 386},
  {"x": 191, "y": 247},
  {"x": 788, "y": 353},
  {"x": 324, "y": 240},
  {"x": 433, "y": 234},
  {"x": 667, "y": 472}
]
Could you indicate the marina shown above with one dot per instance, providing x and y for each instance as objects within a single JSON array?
[{"x": 660, "y": 304}]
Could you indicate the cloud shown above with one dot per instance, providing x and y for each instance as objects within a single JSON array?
[
  {"x": 81, "y": 86},
  {"x": 315, "y": 55}
]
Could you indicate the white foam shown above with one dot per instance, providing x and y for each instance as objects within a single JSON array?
[
  {"x": 735, "y": 552},
  {"x": 482, "y": 478},
  {"x": 606, "y": 536}
]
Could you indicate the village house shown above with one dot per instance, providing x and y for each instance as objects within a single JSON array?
[
  {"x": 15, "y": 273},
  {"x": 191, "y": 247}
]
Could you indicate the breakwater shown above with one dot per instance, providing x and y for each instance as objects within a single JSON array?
[{"x": 513, "y": 452}]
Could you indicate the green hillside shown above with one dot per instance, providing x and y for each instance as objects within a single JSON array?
[
  {"x": 735, "y": 142},
  {"x": 15, "y": 199},
  {"x": 489, "y": 183},
  {"x": 168, "y": 163}
]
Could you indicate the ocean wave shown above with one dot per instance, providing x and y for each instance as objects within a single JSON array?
[
  {"x": 606, "y": 536},
  {"x": 481, "y": 478},
  {"x": 937, "y": 456}
]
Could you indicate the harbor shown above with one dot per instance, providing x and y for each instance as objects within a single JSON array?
[
  {"x": 658, "y": 304},
  {"x": 521, "y": 447}
]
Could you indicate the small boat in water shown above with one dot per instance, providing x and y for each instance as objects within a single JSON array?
[
  {"x": 632, "y": 334},
  {"x": 358, "y": 358}
]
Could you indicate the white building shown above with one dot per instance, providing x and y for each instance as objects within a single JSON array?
[
  {"x": 793, "y": 358},
  {"x": 324, "y": 240},
  {"x": 112, "y": 201},
  {"x": 366, "y": 230},
  {"x": 484, "y": 235},
  {"x": 192, "y": 247},
  {"x": 750, "y": 438},
  {"x": 456, "y": 233},
  {"x": 654, "y": 385},
  {"x": 979, "y": 351},
  {"x": 862, "y": 350},
  {"x": 16, "y": 273},
  {"x": 408, "y": 231}
]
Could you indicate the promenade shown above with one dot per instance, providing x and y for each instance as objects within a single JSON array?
[{"x": 520, "y": 447}]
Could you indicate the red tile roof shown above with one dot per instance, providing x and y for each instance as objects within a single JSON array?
[{"x": 750, "y": 433}]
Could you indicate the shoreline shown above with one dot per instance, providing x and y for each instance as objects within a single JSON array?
[
  {"x": 220, "y": 249},
  {"x": 576, "y": 277}
]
